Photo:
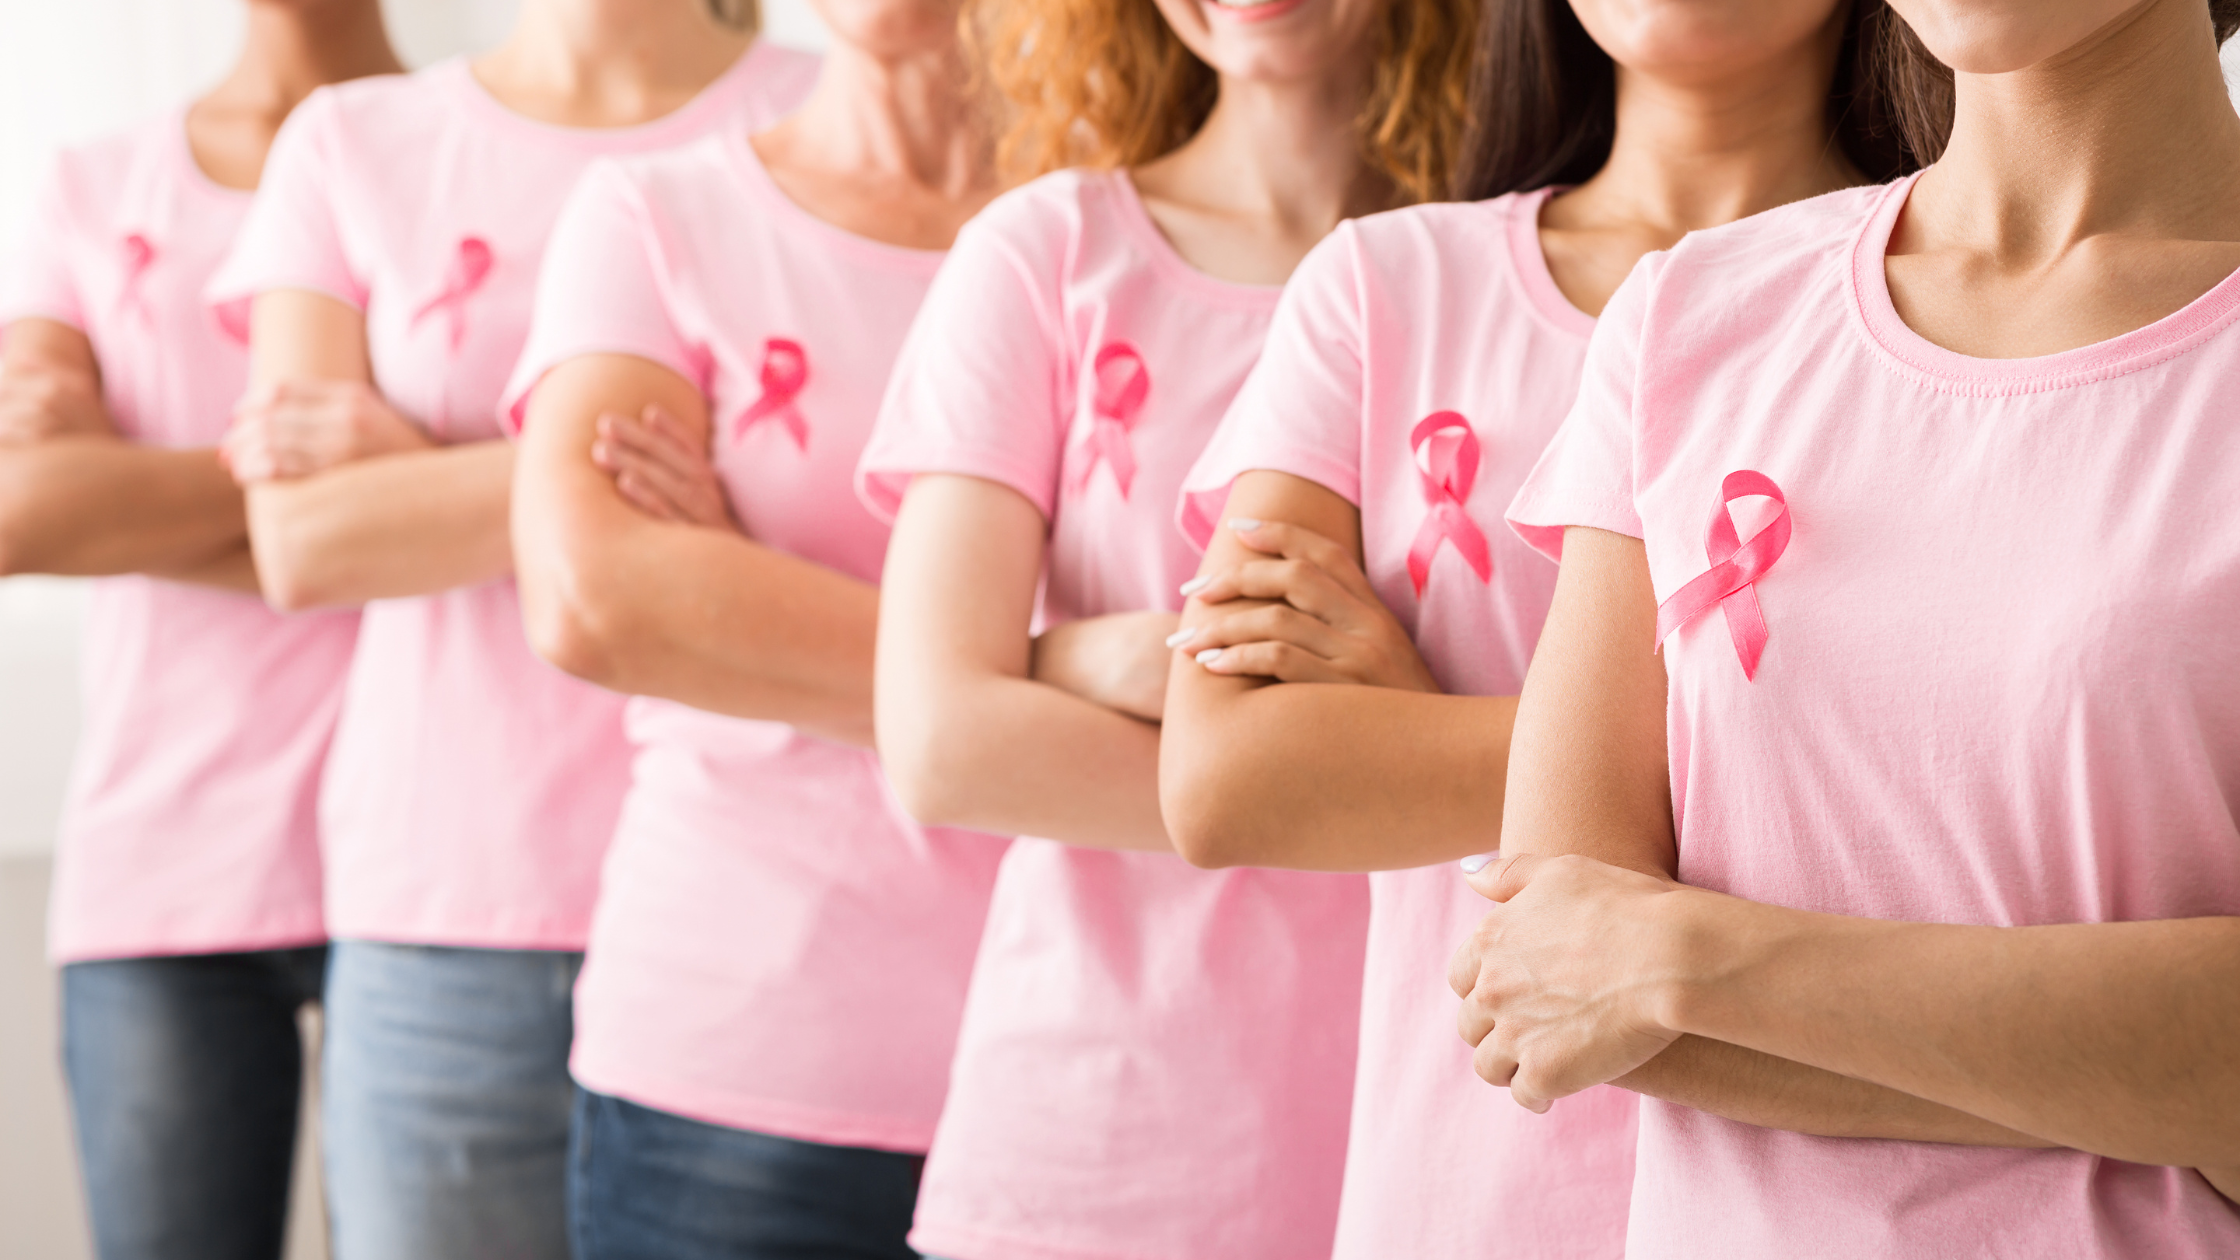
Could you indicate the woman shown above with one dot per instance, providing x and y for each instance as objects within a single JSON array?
[
  {"x": 1420, "y": 363},
  {"x": 186, "y": 912},
  {"x": 714, "y": 327},
  {"x": 1948, "y": 737},
  {"x": 391, "y": 260},
  {"x": 1151, "y": 1063}
]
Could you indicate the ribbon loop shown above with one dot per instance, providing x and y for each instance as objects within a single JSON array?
[
  {"x": 470, "y": 269},
  {"x": 785, "y": 373},
  {"x": 1731, "y": 582},
  {"x": 1447, "y": 455},
  {"x": 139, "y": 259},
  {"x": 1122, "y": 383}
]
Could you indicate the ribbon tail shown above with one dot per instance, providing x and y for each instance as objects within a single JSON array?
[
  {"x": 1471, "y": 542},
  {"x": 1746, "y": 625},
  {"x": 1122, "y": 458},
  {"x": 797, "y": 427},
  {"x": 1421, "y": 552}
]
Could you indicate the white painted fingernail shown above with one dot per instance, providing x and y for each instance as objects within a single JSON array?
[
  {"x": 1180, "y": 637},
  {"x": 1478, "y": 861},
  {"x": 1243, "y": 525},
  {"x": 1209, "y": 656},
  {"x": 1196, "y": 584}
]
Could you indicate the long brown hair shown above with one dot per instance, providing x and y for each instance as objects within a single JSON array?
[
  {"x": 1108, "y": 83},
  {"x": 739, "y": 15}
]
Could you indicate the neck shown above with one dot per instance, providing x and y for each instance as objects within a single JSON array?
[
  {"x": 904, "y": 117},
  {"x": 2131, "y": 131},
  {"x": 294, "y": 48},
  {"x": 1694, "y": 152},
  {"x": 631, "y": 52},
  {"x": 1288, "y": 151}
]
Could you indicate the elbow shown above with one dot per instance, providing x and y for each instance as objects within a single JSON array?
[
  {"x": 1208, "y": 818},
  {"x": 564, "y": 638},
  {"x": 290, "y": 582},
  {"x": 574, "y": 623},
  {"x": 931, "y": 774}
]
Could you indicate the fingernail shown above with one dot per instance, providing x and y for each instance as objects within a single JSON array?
[
  {"x": 1478, "y": 861},
  {"x": 1209, "y": 656},
  {"x": 1196, "y": 584},
  {"x": 1180, "y": 637},
  {"x": 1243, "y": 525}
]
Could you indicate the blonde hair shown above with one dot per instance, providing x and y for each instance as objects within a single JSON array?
[{"x": 1107, "y": 83}]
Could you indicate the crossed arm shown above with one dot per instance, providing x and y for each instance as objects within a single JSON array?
[
  {"x": 689, "y": 610},
  {"x": 2117, "y": 1038},
  {"x": 77, "y": 499},
  {"x": 348, "y": 500}
]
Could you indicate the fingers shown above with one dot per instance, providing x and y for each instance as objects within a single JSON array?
[
  {"x": 657, "y": 470},
  {"x": 1280, "y": 661},
  {"x": 1299, "y": 543},
  {"x": 1494, "y": 1063},
  {"x": 1275, "y": 623},
  {"x": 1297, "y": 582},
  {"x": 1504, "y": 877}
]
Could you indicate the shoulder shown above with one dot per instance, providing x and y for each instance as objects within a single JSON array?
[
  {"x": 94, "y": 174},
  {"x": 1778, "y": 248},
  {"x": 1037, "y": 228},
  {"x": 1434, "y": 235},
  {"x": 378, "y": 111},
  {"x": 781, "y": 71}
]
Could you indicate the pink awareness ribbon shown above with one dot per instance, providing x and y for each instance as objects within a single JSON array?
[
  {"x": 139, "y": 259},
  {"x": 1735, "y": 569},
  {"x": 785, "y": 372},
  {"x": 470, "y": 268},
  {"x": 1447, "y": 456},
  {"x": 1122, "y": 383}
]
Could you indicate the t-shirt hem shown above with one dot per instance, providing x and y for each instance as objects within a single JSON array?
[
  {"x": 759, "y": 1115},
  {"x": 568, "y": 939},
  {"x": 1541, "y": 524},
  {"x": 1204, "y": 497},
  {"x": 884, "y": 499},
  {"x": 513, "y": 407},
  {"x": 62, "y": 951},
  {"x": 32, "y": 310},
  {"x": 960, "y": 1242}
]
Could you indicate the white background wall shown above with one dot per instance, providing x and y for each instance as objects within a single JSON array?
[{"x": 73, "y": 69}]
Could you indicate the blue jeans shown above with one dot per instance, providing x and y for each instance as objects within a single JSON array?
[
  {"x": 184, "y": 1075},
  {"x": 648, "y": 1185},
  {"x": 447, "y": 1100}
]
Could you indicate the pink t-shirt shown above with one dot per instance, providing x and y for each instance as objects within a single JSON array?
[
  {"x": 189, "y": 826},
  {"x": 474, "y": 788},
  {"x": 1156, "y": 1060},
  {"x": 1419, "y": 363},
  {"x": 1998, "y": 682},
  {"x": 762, "y": 881}
]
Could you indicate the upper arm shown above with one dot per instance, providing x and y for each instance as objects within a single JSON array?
[
  {"x": 1588, "y": 770},
  {"x": 958, "y": 594},
  {"x": 40, "y": 348},
  {"x": 295, "y": 334}
]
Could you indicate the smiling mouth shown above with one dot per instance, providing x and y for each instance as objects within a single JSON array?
[{"x": 1244, "y": 4}]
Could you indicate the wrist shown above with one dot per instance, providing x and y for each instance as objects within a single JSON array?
[{"x": 1700, "y": 953}]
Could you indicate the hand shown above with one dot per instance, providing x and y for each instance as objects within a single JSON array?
[
  {"x": 1560, "y": 985},
  {"x": 301, "y": 427},
  {"x": 37, "y": 405},
  {"x": 1118, "y": 660},
  {"x": 659, "y": 468},
  {"x": 1323, "y": 621}
]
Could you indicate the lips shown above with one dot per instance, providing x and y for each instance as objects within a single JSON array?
[{"x": 1252, "y": 10}]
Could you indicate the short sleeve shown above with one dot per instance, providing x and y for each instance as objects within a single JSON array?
[
  {"x": 978, "y": 387},
  {"x": 1585, "y": 476},
  {"x": 291, "y": 239},
  {"x": 37, "y": 282},
  {"x": 1300, "y": 410},
  {"x": 602, "y": 289}
]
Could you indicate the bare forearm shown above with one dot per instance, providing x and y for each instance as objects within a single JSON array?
[
  {"x": 95, "y": 506},
  {"x": 2112, "y": 1038},
  {"x": 713, "y": 620},
  {"x": 233, "y": 570},
  {"x": 385, "y": 528},
  {"x": 1331, "y": 777}
]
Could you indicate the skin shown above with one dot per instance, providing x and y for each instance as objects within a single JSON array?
[
  {"x": 634, "y": 573},
  {"x": 2110, "y": 1038},
  {"x": 78, "y": 498},
  {"x": 976, "y": 723},
  {"x": 349, "y": 499},
  {"x": 1721, "y": 114}
]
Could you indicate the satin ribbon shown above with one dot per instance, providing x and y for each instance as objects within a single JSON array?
[
  {"x": 1447, "y": 456},
  {"x": 1122, "y": 383},
  {"x": 139, "y": 259},
  {"x": 470, "y": 269},
  {"x": 1735, "y": 568},
  {"x": 785, "y": 372}
]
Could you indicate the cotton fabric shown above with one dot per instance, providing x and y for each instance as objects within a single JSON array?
[
  {"x": 1393, "y": 320},
  {"x": 763, "y": 881},
  {"x": 1997, "y": 687},
  {"x": 1155, "y": 1060},
  {"x": 189, "y": 821},
  {"x": 474, "y": 788}
]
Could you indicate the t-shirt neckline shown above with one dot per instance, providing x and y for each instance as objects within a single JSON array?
[
  {"x": 181, "y": 146},
  {"x": 653, "y": 133},
  {"x": 761, "y": 184},
  {"x": 1170, "y": 262},
  {"x": 2164, "y": 339},
  {"x": 1531, "y": 261}
]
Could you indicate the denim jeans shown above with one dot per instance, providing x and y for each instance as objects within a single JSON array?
[
  {"x": 649, "y": 1185},
  {"x": 184, "y": 1075},
  {"x": 447, "y": 1101}
]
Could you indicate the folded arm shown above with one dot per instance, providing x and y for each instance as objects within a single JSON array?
[
  {"x": 1588, "y": 776},
  {"x": 1341, "y": 776},
  {"x": 75, "y": 499},
  {"x": 402, "y": 517},
  {"x": 704, "y": 616},
  {"x": 969, "y": 737}
]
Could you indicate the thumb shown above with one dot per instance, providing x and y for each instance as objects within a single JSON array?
[{"x": 1498, "y": 878}]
